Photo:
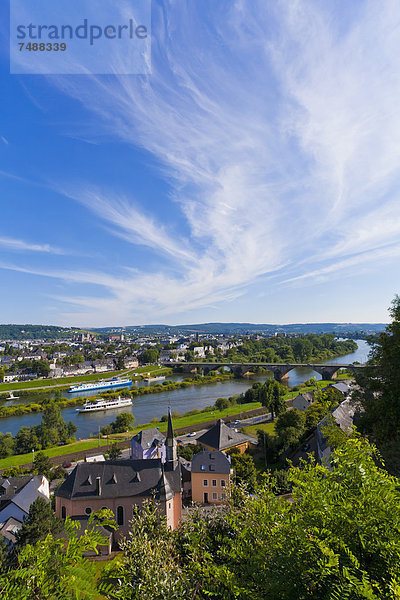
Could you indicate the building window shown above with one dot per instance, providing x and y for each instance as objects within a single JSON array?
[
  {"x": 214, "y": 483},
  {"x": 205, "y": 482},
  {"x": 63, "y": 512},
  {"x": 215, "y": 496},
  {"x": 120, "y": 515},
  {"x": 88, "y": 510},
  {"x": 203, "y": 467},
  {"x": 222, "y": 482},
  {"x": 223, "y": 496},
  {"x": 169, "y": 504}
]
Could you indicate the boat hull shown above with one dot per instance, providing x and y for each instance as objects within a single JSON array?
[
  {"x": 103, "y": 408},
  {"x": 100, "y": 386}
]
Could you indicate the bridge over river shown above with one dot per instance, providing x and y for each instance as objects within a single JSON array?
[{"x": 280, "y": 370}]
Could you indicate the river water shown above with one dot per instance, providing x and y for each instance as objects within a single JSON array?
[{"x": 149, "y": 406}]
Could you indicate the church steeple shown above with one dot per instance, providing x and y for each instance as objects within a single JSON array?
[{"x": 171, "y": 453}]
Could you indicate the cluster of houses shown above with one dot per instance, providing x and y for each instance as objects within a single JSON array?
[{"x": 153, "y": 470}]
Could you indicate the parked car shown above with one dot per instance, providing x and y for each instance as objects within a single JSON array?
[{"x": 67, "y": 465}]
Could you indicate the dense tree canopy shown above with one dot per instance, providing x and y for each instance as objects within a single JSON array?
[
  {"x": 380, "y": 391},
  {"x": 338, "y": 539}
]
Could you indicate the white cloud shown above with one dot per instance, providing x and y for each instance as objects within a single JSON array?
[
  {"x": 277, "y": 127},
  {"x": 21, "y": 245},
  {"x": 4, "y": 140}
]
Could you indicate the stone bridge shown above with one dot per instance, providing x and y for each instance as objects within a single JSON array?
[{"x": 280, "y": 370}]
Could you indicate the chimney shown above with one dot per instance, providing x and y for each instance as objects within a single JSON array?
[{"x": 98, "y": 486}]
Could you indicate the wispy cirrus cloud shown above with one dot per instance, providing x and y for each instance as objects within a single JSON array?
[
  {"x": 276, "y": 127},
  {"x": 23, "y": 246}
]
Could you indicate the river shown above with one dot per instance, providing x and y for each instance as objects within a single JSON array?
[{"x": 149, "y": 406}]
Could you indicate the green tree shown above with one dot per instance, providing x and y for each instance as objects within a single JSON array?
[
  {"x": 53, "y": 429},
  {"x": 26, "y": 440},
  {"x": 149, "y": 356},
  {"x": 7, "y": 445},
  {"x": 55, "y": 568},
  {"x": 222, "y": 403},
  {"x": 114, "y": 452},
  {"x": 150, "y": 575},
  {"x": 123, "y": 422},
  {"x": 244, "y": 469},
  {"x": 291, "y": 418},
  {"x": 339, "y": 539},
  {"x": 120, "y": 363},
  {"x": 40, "y": 521},
  {"x": 3, "y": 555},
  {"x": 42, "y": 464},
  {"x": 41, "y": 367},
  {"x": 380, "y": 391},
  {"x": 187, "y": 452}
]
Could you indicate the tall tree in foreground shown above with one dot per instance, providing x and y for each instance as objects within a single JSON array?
[
  {"x": 380, "y": 392},
  {"x": 55, "y": 569},
  {"x": 339, "y": 539},
  {"x": 38, "y": 524}
]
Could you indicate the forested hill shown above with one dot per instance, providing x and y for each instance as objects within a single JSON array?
[
  {"x": 339, "y": 329},
  {"x": 35, "y": 332}
]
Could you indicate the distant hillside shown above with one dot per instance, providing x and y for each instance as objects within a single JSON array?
[
  {"x": 52, "y": 332},
  {"x": 35, "y": 332},
  {"x": 252, "y": 328}
]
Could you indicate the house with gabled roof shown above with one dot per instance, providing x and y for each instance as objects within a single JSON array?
[
  {"x": 303, "y": 400},
  {"x": 223, "y": 438},
  {"x": 148, "y": 443},
  {"x": 18, "y": 493},
  {"x": 16, "y": 496}
]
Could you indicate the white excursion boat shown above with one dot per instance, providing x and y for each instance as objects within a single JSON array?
[
  {"x": 101, "y": 404},
  {"x": 100, "y": 385}
]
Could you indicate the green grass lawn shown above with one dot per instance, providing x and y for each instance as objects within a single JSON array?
[
  {"x": 252, "y": 429},
  {"x": 21, "y": 459}
]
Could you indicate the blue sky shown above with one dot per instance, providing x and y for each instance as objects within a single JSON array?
[{"x": 253, "y": 176}]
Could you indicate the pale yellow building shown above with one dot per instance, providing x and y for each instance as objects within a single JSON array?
[{"x": 211, "y": 476}]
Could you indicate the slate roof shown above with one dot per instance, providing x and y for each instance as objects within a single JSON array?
[
  {"x": 121, "y": 479},
  {"x": 9, "y": 486},
  {"x": 308, "y": 397},
  {"x": 10, "y": 528},
  {"x": 222, "y": 437},
  {"x": 22, "y": 491},
  {"x": 211, "y": 462},
  {"x": 149, "y": 437},
  {"x": 343, "y": 416},
  {"x": 342, "y": 387}
]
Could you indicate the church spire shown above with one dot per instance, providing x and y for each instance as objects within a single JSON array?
[{"x": 170, "y": 444}]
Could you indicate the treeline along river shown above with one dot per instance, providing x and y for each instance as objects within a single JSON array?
[{"x": 150, "y": 406}]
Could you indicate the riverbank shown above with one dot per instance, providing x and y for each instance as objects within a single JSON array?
[
  {"x": 17, "y": 410},
  {"x": 65, "y": 382}
]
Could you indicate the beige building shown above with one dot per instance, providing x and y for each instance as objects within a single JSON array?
[{"x": 211, "y": 476}]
